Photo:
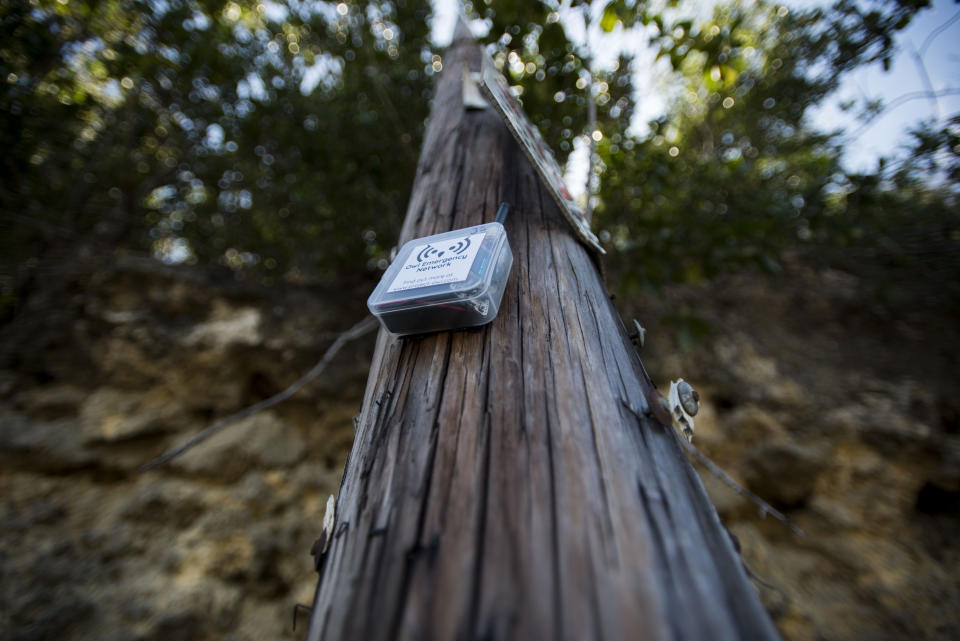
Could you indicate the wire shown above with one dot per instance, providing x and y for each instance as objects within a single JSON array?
[
  {"x": 363, "y": 327},
  {"x": 936, "y": 32}
]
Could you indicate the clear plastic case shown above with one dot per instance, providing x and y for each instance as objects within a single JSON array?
[{"x": 447, "y": 281}]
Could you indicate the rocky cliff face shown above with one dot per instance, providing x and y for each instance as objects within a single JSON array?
[
  {"x": 843, "y": 415},
  {"x": 213, "y": 545},
  {"x": 838, "y": 414}
]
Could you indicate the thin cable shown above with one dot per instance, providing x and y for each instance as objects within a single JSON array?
[
  {"x": 936, "y": 32},
  {"x": 893, "y": 104},
  {"x": 358, "y": 330},
  {"x": 765, "y": 508}
]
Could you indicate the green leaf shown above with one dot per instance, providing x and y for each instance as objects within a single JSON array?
[{"x": 610, "y": 19}]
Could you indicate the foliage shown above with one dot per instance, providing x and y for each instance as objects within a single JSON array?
[
  {"x": 552, "y": 74},
  {"x": 253, "y": 134},
  {"x": 280, "y": 138},
  {"x": 900, "y": 226},
  {"x": 732, "y": 175}
]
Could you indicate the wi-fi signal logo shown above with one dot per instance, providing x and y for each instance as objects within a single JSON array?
[
  {"x": 429, "y": 252},
  {"x": 460, "y": 246}
]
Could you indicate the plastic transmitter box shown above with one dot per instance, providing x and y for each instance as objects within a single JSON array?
[{"x": 447, "y": 281}]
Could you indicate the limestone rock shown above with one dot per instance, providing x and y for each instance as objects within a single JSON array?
[
  {"x": 261, "y": 440},
  {"x": 782, "y": 472},
  {"x": 170, "y": 502},
  {"x": 48, "y": 446},
  {"x": 864, "y": 456},
  {"x": 114, "y": 415},
  {"x": 946, "y": 475},
  {"x": 227, "y": 327},
  {"x": 753, "y": 424},
  {"x": 55, "y": 401}
]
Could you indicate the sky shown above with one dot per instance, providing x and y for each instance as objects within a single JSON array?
[
  {"x": 865, "y": 144},
  {"x": 940, "y": 61}
]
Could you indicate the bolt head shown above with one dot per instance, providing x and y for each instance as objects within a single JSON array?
[{"x": 689, "y": 398}]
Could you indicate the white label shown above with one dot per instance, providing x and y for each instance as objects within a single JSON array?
[{"x": 448, "y": 261}]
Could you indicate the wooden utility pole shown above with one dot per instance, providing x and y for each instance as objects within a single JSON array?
[{"x": 498, "y": 486}]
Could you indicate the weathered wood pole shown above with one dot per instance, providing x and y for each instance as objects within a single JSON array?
[{"x": 498, "y": 488}]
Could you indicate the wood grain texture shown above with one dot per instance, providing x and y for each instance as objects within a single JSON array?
[{"x": 498, "y": 487}]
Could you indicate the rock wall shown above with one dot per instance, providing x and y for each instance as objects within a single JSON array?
[
  {"x": 840, "y": 414},
  {"x": 215, "y": 545},
  {"x": 844, "y": 415}
]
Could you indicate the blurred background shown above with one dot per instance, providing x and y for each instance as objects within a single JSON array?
[{"x": 197, "y": 198}]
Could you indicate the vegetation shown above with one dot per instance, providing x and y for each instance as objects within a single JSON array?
[
  {"x": 280, "y": 138},
  {"x": 733, "y": 175}
]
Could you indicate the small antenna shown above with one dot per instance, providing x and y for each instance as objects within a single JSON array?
[{"x": 502, "y": 212}]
